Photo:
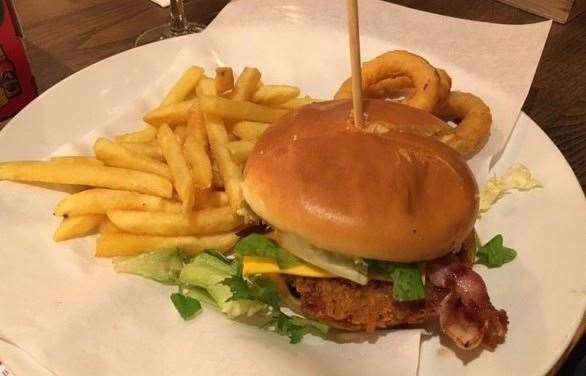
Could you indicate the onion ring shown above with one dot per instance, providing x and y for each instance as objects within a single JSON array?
[
  {"x": 445, "y": 87},
  {"x": 473, "y": 131},
  {"x": 393, "y": 64}
]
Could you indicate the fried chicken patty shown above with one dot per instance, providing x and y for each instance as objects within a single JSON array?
[{"x": 356, "y": 307}]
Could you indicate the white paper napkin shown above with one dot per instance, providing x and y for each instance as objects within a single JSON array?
[{"x": 73, "y": 315}]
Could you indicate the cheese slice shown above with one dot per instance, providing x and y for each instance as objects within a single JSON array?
[{"x": 263, "y": 265}]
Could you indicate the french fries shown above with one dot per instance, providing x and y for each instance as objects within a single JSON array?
[
  {"x": 183, "y": 87},
  {"x": 202, "y": 222},
  {"x": 182, "y": 178},
  {"x": 77, "y": 160},
  {"x": 206, "y": 86},
  {"x": 115, "y": 155},
  {"x": 229, "y": 171},
  {"x": 107, "y": 227},
  {"x": 180, "y": 133},
  {"x": 173, "y": 114},
  {"x": 224, "y": 79},
  {"x": 272, "y": 95},
  {"x": 246, "y": 84},
  {"x": 146, "y": 135},
  {"x": 101, "y": 201},
  {"x": 198, "y": 159},
  {"x": 239, "y": 110},
  {"x": 152, "y": 150},
  {"x": 113, "y": 245},
  {"x": 86, "y": 174},
  {"x": 176, "y": 182},
  {"x": 211, "y": 199},
  {"x": 196, "y": 127},
  {"x": 240, "y": 150},
  {"x": 249, "y": 130},
  {"x": 76, "y": 227}
]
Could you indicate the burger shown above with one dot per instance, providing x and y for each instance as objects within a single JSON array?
[{"x": 375, "y": 224}]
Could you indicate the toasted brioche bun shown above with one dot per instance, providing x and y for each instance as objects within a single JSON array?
[{"x": 390, "y": 196}]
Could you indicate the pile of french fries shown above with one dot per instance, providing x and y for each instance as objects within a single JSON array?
[{"x": 175, "y": 183}]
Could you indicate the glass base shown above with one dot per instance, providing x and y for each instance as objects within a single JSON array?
[{"x": 164, "y": 32}]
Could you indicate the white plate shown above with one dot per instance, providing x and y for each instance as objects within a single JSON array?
[{"x": 543, "y": 290}]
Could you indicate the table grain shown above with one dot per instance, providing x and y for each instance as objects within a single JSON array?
[{"x": 64, "y": 36}]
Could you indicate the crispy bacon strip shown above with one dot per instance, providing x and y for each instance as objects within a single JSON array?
[{"x": 466, "y": 314}]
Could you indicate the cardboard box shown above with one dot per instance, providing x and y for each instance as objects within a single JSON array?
[
  {"x": 17, "y": 84},
  {"x": 560, "y": 11}
]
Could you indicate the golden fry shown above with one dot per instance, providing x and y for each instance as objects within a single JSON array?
[
  {"x": 202, "y": 222},
  {"x": 180, "y": 133},
  {"x": 235, "y": 110},
  {"x": 198, "y": 159},
  {"x": 115, "y": 155},
  {"x": 184, "y": 86},
  {"x": 77, "y": 227},
  {"x": 224, "y": 79},
  {"x": 173, "y": 114},
  {"x": 273, "y": 95},
  {"x": 249, "y": 130},
  {"x": 77, "y": 160},
  {"x": 85, "y": 174},
  {"x": 246, "y": 84},
  {"x": 206, "y": 199},
  {"x": 206, "y": 86},
  {"x": 230, "y": 172},
  {"x": 107, "y": 227},
  {"x": 112, "y": 245},
  {"x": 146, "y": 135},
  {"x": 100, "y": 201},
  {"x": 196, "y": 127},
  {"x": 182, "y": 178},
  {"x": 240, "y": 150},
  {"x": 152, "y": 150}
]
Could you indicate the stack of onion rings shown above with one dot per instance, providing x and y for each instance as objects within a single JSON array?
[{"x": 410, "y": 79}]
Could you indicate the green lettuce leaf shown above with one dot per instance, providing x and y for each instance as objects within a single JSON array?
[
  {"x": 187, "y": 306},
  {"x": 162, "y": 266},
  {"x": 494, "y": 254},
  {"x": 200, "y": 294},
  {"x": 407, "y": 283},
  {"x": 258, "y": 245},
  {"x": 263, "y": 290},
  {"x": 407, "y": 279},
  {"x": 208, "y": 271}
]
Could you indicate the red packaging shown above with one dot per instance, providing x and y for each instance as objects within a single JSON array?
[{"x": 17, "y": 84}]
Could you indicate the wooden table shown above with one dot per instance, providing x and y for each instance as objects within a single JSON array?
[{"x": 68, "y": 35}]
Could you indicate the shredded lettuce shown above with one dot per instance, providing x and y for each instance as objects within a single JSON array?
[
  {"x": 407, "y": 279},
  {"x": 199, "y": 294},
  {"x": 332, "y": 262},
  {"x": 516, "y": 177},
  {"x": 263, "y": 290},
  {"x": 162, "y": 266},
  {"x": 207, "y": 271},
  {"x": 494, "y": 254},
  {"x": 187, "y": 306},
  {"x": 258, "y": 245}
]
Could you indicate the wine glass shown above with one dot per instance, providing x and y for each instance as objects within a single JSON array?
[{"x": 178, "y": 25}]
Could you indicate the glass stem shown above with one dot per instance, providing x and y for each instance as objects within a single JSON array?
[{"x": 178, "y": 23}]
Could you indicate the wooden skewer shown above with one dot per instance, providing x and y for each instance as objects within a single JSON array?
[{"x": 354, "y": 39}]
